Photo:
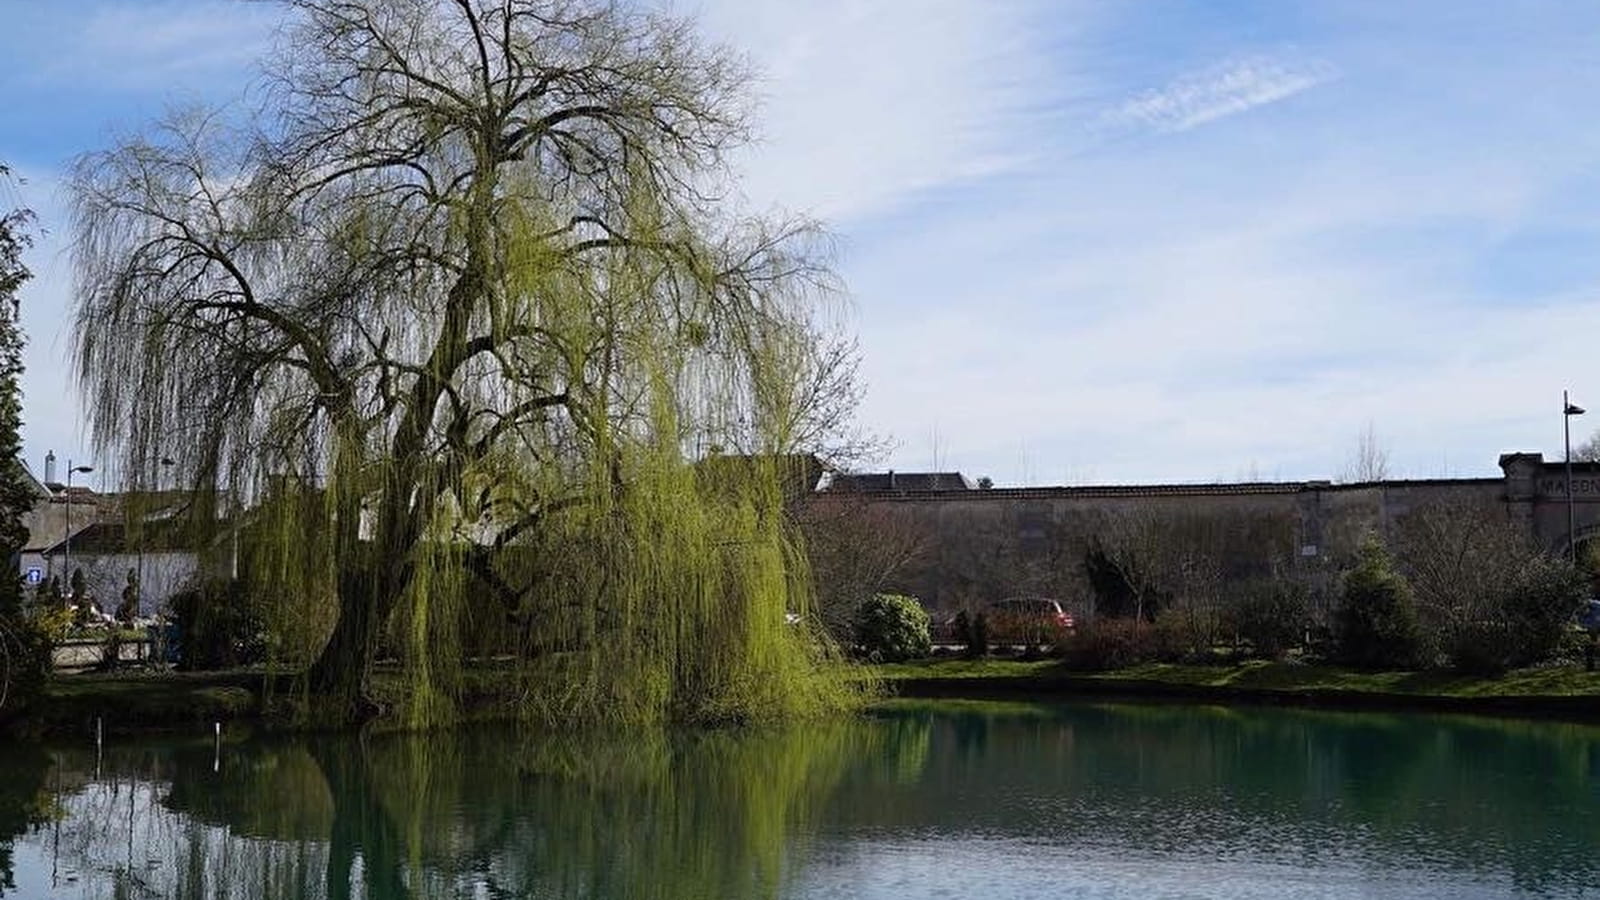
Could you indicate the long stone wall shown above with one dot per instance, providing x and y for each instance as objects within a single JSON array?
[{"x": 976, "y": 546}]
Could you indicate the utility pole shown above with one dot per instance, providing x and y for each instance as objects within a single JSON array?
[
  {"x": 1568, "y": 410},
  {"x": 67, "y": 544}
]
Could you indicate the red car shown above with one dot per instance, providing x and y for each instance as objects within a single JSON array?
[{"x": 1031, "y": 621}]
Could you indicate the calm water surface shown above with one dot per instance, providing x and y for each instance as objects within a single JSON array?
[{"x": 946, "y": 800}]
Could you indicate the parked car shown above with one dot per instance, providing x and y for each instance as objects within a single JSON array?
[
  {"x": 942, "y": 628},
  {"x": 1030, "y": 621}
]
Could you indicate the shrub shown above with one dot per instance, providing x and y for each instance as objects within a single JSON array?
[
  {"x": 218, "y": 626},
  {"x": 1572, "y": 647},
  {"x": 1523, "y": 624},
  {"x": 27, "y": 641},
  {"x": 972, "y": 630},
  {"x": 1375, "y": 625},
  {"x": 24, "y": 662},
  {"x": 1488, "y": 597},
  {"x": 1108, "y": 643},
  {"x": 892, "y": 628},
  {"x": 1271, "y": 616},
  {"x": 1184, "y": 633}
]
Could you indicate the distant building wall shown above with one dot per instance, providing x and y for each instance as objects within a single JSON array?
[
  {"x": 48, "y": 521},
  {"x": 982, "y": 545},
  {"x": 106, "y": 575}
]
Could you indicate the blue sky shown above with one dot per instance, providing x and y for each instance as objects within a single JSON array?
[{"x": 1085, "y": 240}]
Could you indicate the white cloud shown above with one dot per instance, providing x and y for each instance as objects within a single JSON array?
[
  {"x": 1229, "y": 88},
  {"x": 1135, "y": 310},
  {"x": 1170, "y": 323},
  {"x": 865, "y": 104}
]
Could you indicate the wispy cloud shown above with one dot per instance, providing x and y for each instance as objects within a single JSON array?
[
  {"x": 868, "y": 104},
  {"x": 1227, "y": 89},
  {"x": 1035, "y": 306}
]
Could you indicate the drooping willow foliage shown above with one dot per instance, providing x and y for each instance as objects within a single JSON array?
[{"x": 463, "y": 338}]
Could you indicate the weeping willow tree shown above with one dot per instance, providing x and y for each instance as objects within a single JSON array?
[{"x": 451, "y": 323}]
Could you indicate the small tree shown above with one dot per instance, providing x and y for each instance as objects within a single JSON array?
[
  {"x": 1487, "y": 595},
  {"x": 857, "y": 549},
  {"x": 1521, "y": 625},
  {"x": 1588, "y": 451},
  {"x": 1369, "y": 461},
  {"x": 892, "y": 628},
  {"x": 1376, "y": 623},
  {"x": 1271, "y": 614},
  {"x": 1120, "y": 563}
]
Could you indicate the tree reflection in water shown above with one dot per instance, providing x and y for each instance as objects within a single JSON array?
[
  {"x": 1443, "y": 804},
  {"x": 491, "y": 813}
]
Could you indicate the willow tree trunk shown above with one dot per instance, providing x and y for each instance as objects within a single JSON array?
[
  {"x": 372, "y": 577},
  {"x": 342, "y": 675}
]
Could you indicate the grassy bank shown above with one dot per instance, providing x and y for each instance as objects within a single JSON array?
[
  {"x": 173, "y": 702},
  {"x": 128, "y": 703},
  {"x": 180, "y": 702},
  {"x": 1562, "y": 690}
]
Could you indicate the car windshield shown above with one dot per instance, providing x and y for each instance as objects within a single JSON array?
[{"x": 1038, "y": 607}]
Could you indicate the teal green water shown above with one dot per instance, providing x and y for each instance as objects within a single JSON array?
[{"x": 935, "y": 800}]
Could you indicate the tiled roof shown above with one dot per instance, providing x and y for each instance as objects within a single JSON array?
[
  {"x": 877, "y": 482},
  {"x": 112, "y": 537}
]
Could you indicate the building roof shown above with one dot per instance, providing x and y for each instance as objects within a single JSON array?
[
  {"x": 879, "y": 482},
  {"x": 108, "y": 538},
  {"x": 34, "y": 484}
]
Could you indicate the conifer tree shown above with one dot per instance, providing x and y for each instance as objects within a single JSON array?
[{"x": 16, "y": 649}]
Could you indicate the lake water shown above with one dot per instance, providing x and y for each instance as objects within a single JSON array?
[{"x": 917, "y": 800}]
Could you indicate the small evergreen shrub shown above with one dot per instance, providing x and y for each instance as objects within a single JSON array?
[
  {"x": 972, "y": 631},
  {"x": 1376, "y": 625},
  {"x": 892, "y": 628},
  {"x": 218, "y": 626}
]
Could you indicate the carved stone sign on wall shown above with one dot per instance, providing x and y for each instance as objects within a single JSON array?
[{"x": 1585, "y": 488}]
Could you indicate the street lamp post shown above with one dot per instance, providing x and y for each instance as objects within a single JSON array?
[
  {"x": 1568, "y": 410},
  {"x": 67, "y": 544}
]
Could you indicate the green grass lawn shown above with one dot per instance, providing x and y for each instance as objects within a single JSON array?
[{"x": 1556, "y": 681}]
